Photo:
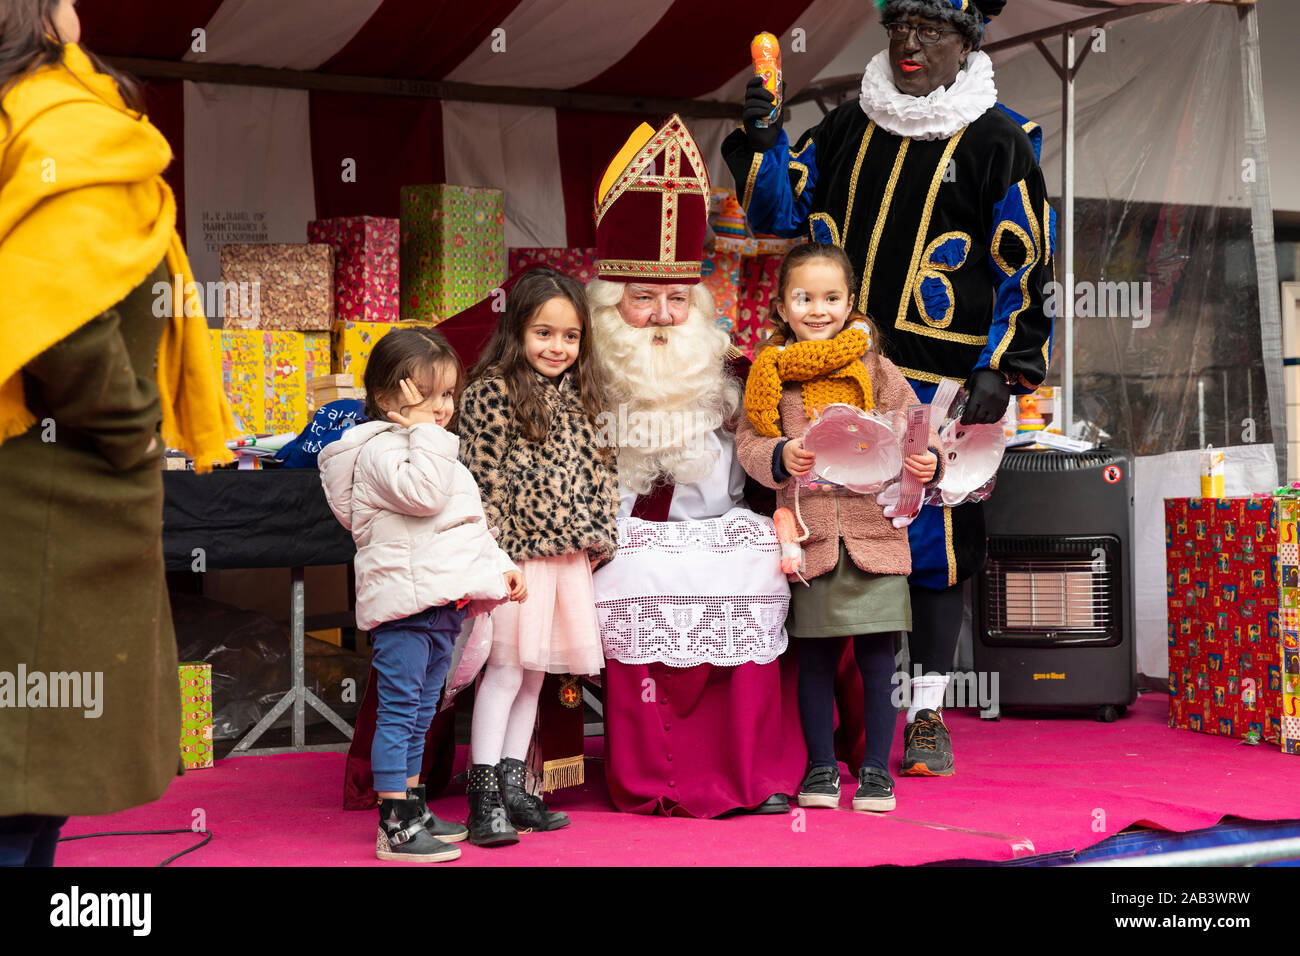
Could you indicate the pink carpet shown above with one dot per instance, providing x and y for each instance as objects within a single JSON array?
[{"x": 1022, "y": 786}]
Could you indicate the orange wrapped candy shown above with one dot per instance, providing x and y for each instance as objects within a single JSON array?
[{"x": 765, "y": 49}]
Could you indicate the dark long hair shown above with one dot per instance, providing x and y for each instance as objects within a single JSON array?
[
  {"x": 809, "y": 252},
  {"x": 505, "y": 352},
  {"x": 409, "y": 353},
  {"x": 28, "y": 41}
]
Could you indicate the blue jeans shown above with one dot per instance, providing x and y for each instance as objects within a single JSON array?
[
  {"x": 29, "y": 840},
  {"x": 411, "y": 657}
]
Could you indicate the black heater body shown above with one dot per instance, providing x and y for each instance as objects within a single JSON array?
[{"x": 1054, "y": 604}]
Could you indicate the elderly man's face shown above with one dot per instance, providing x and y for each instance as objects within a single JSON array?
[
  {"x": 921, "y": 68},
  {"x": 644, "y": 305}
]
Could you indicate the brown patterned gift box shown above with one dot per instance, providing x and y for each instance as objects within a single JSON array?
[
  {"x": 453, "y": 249},
  {"x": 291, "y": 286}
]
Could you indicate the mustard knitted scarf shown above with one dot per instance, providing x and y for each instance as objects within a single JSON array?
[
  {"x": 831, "y": 371},
  {"x": 85, "y": 217}
]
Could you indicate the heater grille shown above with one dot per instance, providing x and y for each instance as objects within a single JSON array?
[{"x": 1052, "y": 591}]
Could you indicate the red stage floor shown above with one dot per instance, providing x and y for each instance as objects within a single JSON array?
[{"x": 1023, "y": 786}]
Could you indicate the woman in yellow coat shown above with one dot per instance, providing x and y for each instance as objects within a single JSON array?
[{"x": 94, "y": 381}]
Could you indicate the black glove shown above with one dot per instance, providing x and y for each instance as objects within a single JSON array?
[
  {"x": 758, "y": 104},
  {"x": 988, "y": 397}
]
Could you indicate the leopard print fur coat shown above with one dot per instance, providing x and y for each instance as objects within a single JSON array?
[{"x": 556, "y": 497}]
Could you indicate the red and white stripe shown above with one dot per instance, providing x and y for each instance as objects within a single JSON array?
[{"x": 282, "y": 155}]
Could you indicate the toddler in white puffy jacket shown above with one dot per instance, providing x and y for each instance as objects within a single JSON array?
[{"x": 426, "y": 559}]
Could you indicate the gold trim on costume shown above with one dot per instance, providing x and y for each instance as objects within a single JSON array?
[
  {"x": 900, "y": 321},
  {"x": 830, "y": 224},
  {"x": 947, "y": 541},
  {"x": 794, "y": 155},
  {"x": 668, "y": 217},
  {"x": 1036, "y": 234},
  {"x": 865, "y": 288},
  {"x": 803, "y": 177},
  {"x": 754, "y": 164},
  {"x": 921, "y": 308},
  {"x": 1015, "y": 229},
  {"x": 638, "y": 268},
  {"x": 920, "y": 376},
  {"x": 935, "y": 270},
  {"x": 853, "y": 180}
]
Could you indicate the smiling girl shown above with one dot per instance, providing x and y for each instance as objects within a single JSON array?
[
  {"x": 857, "y": 559},
  {"x": 528, "y": 421}
]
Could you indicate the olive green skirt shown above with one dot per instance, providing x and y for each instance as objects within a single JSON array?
[{"x": 849, "y": 600}]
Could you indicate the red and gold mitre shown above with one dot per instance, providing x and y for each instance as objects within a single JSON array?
[{"x": 652, "y": 208}]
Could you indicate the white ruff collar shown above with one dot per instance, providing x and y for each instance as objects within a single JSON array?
[{"x": 937, "y": 116}]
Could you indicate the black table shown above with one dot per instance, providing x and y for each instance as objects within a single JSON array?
[{"x": 260, "y": 519}]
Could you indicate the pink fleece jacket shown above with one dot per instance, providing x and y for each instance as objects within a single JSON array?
[{"x": 873, "y": 542}]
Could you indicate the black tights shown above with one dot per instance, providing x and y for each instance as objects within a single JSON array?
[
  {"x": 818, "y": 659},
  {"x": 936, "y": 622}
]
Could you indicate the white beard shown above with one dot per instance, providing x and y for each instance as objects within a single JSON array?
[{"x": 677, "y": 393}]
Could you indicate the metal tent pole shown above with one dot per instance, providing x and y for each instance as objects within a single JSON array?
[
  {"x": 1261, "y": 211},
  {"x": 1067, "y": 69},
  {"x": 1070, "y": 68}
]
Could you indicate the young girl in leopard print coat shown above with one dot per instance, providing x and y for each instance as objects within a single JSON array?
[{"x": 529, "y": 437}]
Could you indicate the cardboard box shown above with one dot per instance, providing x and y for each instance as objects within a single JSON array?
[
  {"x": 367, "y": 266},
  {"x": 196, "y": 715},
  {"x": 291, "y": 284},
  {"x": 453, "y": 249},
  {"x": 265, "y": 375},
  {"x": 351, "y": 342},
  {"x": 1221, "y": 557},
  {"x": 1288, "y": 552}
]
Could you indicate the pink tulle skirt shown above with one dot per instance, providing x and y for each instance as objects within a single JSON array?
[{"x": 555, "y": 629}]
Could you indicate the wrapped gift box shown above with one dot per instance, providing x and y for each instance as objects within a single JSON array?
[
  {"x": 757, "y": 287},
  {"x": 366, "y": 266},
  {"x": 351, "y": 342},
  {"x": 196, "y": 715},
  {"x": 1288, "y": 551},
  {"x": 579, "y": 263},
  {"x": 720, "y": 273},
  {"x": 1221, "y": 556},
  {"x": 265, "y": 375},
  {"x": 453, "y": 249},
  {"x": 295, "y": 284}
]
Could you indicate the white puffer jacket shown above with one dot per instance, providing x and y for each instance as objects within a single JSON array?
[{"x": 416, "y": 516}]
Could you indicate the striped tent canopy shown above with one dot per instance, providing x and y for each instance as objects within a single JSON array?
[{"x": 256, "y": 162}]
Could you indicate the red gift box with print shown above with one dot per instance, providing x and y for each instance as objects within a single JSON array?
[
  {"x": 757, "y": 289},
  {"x": 579, "y": 263},
  {"x": 367, "y": 266},
  {"x": 1224, "y": 640}
]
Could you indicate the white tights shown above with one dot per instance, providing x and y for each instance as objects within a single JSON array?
[{"x": 505, "y": 710}]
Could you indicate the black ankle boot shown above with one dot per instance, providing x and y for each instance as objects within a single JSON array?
[
  {"x": 444, "y": 830},
  {"x": 488, "y": 823},
  {"x": 402, "y": 835},
  {"x": 527, "y": 812}
]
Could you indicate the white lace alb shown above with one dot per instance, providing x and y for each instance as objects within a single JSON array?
[
  {"x": 936, "y": 116},
  {"x": 694, "y": 592}
]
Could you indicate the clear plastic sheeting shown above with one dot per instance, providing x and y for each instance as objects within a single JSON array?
[
  {"x": 251, "y": 665},
  {"x": 1168, "y": 352},
  {"x": 1174, "y": 349}
]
